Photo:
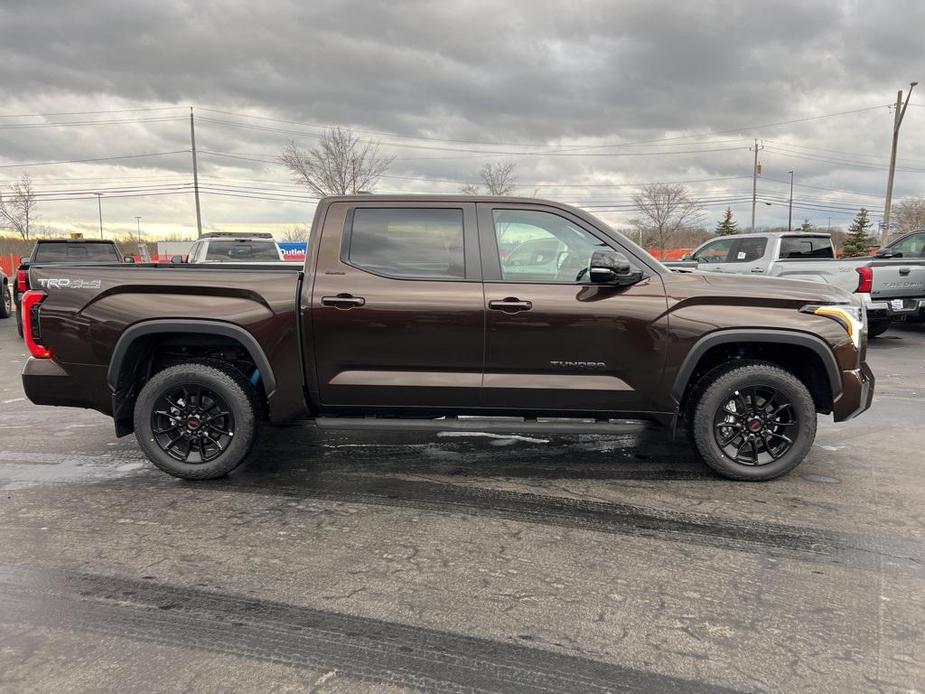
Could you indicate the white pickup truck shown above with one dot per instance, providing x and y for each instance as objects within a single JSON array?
[{"x": 890, "y": 284}]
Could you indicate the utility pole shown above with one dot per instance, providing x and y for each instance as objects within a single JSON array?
[
  {"x": 99, "y": 205},
  {"x": 790, "y": 206},
  {"x": 138, "y": 227},
  {"x": 898, "y": 113},
  {"x": 192, "y": 137},
  {"x": 755, "y": 181}
]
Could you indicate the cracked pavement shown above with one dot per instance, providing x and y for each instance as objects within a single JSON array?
[{"x": 345, "y": 562}]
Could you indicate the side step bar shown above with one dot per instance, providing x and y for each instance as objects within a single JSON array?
[{"x": 506, "y": 425}]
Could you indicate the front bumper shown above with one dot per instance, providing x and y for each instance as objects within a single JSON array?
[
  {"x": 856, "y": 395},
  {"x": 878, "y": 309}
]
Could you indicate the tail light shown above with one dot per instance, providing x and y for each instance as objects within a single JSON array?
[
  {"x": 22, "y": 281},
  {"x": 31, "y": 302},
  {"x": 865, "y": 280}
]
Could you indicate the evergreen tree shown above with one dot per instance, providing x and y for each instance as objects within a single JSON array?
[
  {"x": 857, "y": 242},
  {"x": 806, "y": 225},
  {"x": 727, "y": 226}
]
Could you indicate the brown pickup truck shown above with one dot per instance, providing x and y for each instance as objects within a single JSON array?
[{"x": 442, "y": 313}]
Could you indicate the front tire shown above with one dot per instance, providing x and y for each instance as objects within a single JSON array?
[
  {"x": 196, "y": 421},
  {"x": 754, "y": 422}
]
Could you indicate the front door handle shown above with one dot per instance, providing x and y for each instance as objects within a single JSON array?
[
  {"x": 757, "y": 269},
  {"x": 343, "y": 301},
  {"x": 510, "y": 304}
]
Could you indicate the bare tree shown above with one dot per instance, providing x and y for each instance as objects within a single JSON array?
[
  {"x": 296, "y": 233},
  {"x": 666, "y": 209},
  {"x": 909, "y": 215},
  {"x": 499, "y": 179},
  {"x": 17, "y": 208},
  {"x": 341, "y": 164}
]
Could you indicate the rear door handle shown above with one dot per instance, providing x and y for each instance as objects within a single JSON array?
[
  {"x": 757, "y": 269},
  {"x": 510, "y": 305},
  {"x": 343, "y": 301}
]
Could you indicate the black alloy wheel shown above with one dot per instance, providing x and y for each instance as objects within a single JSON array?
[
  {"x": 755, "y": 425},
  {"x": 192, "y": 424}
]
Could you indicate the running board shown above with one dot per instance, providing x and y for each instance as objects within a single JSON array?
[{"x": 506, "y": 425}]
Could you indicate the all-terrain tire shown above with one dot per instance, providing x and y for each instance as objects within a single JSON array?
[
  {"x": 725, "y": 386},
  {"x": 6, "y": 306},
  {"x": 876, "y": 328},
  {"x": 226, "y": 383}
]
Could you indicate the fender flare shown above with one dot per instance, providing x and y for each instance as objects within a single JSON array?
[
  {"x": 787, "y": 337},
  {"x": 189, "y": 326}
]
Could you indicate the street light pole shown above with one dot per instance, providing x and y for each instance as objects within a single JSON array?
[
  {"x": 138, "y": 226},
  {"x": 897, "y": 121},
  {"x": 99, "y": 204},
  {"x": 790, "y": 207}
]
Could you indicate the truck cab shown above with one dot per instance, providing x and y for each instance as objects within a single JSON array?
[{"x": 756, "y": 253}]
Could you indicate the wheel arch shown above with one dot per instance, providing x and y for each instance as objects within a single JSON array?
[
  {"x": 135, "y": 344},
  {"x": 784, "y": 346}
]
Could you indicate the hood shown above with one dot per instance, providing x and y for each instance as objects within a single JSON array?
[{"x": 719, "y": 287}]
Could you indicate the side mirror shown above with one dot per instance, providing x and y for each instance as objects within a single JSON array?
[
  {"x": 176, "y": 259},
  {"x": 129, "y": 260},
  {"x": 884, "y": 253},
  {"x": 25, "y": 261},
  {"x": 610, "y": 267}
]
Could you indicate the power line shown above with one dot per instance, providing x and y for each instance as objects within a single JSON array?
[
  {"x": 32, "y": 126},
  {"x": 85, "y": 161},
  {"x": 87, "y": 113}
]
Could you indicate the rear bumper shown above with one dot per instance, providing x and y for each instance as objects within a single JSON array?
[
  {"x": 878, "y": 309},
  {"x": 857, "y": 393},
  {"x": 46, "y": 382}
]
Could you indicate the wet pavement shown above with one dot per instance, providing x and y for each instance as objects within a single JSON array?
[{"x": 339, "y": 562}]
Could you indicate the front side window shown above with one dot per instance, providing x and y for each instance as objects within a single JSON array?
[
  {"x": 912, "y": 247},
  {"x": 715, "y": 252},
  {"x": 748, "y": 250},
  {"x": 542, "y": 247},
  {"x": 417, "y": 243}
]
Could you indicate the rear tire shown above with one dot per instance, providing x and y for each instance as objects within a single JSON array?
[
  {"x": 196, "y": 421},
  {"x": 876, "y": 328},
  {"x": 6, "y": 306},
  {"x": 754, "y": 422}
]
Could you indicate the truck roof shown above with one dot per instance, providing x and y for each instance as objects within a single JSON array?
[
  {"x": 399, "y": 197},
  {"x": 765, "y": 234}
]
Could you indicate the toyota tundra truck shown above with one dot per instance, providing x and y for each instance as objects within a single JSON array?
[{"x": 447, "y": 313}]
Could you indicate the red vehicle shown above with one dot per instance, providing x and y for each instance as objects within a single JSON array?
[{"x": 406, "y": 315}]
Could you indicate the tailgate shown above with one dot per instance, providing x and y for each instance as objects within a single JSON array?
[{"x": 896, "y": 279}]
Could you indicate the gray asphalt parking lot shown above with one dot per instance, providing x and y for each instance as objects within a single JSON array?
[{"x": 391, "y": 562}]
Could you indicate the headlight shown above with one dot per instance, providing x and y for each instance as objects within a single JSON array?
[{"x": 851, "y": 317}]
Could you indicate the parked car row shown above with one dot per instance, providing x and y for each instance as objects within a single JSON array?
[
  {"x": 890, "y": 284},
  {"x": 446, "y": 312}
]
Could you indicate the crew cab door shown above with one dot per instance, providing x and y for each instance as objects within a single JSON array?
[
  {"x": 397, "y": 317},
  {"x": 555, "y": 342}
]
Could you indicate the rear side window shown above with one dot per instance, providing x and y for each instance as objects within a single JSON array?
[
  {"x": 748, "y": 250},
  {"x": 408, "y": 243},
  {"x": 806, "y": 247},
  {"x": 75, "y": 253},
  {"x": 242, "y": 251}
]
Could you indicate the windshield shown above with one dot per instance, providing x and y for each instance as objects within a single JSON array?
[
  {"x": 77, "y": 252},
  {"x": 242, "y": 251}
]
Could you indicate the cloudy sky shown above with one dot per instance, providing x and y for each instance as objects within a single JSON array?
[{"x": 590, "y": 99}]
